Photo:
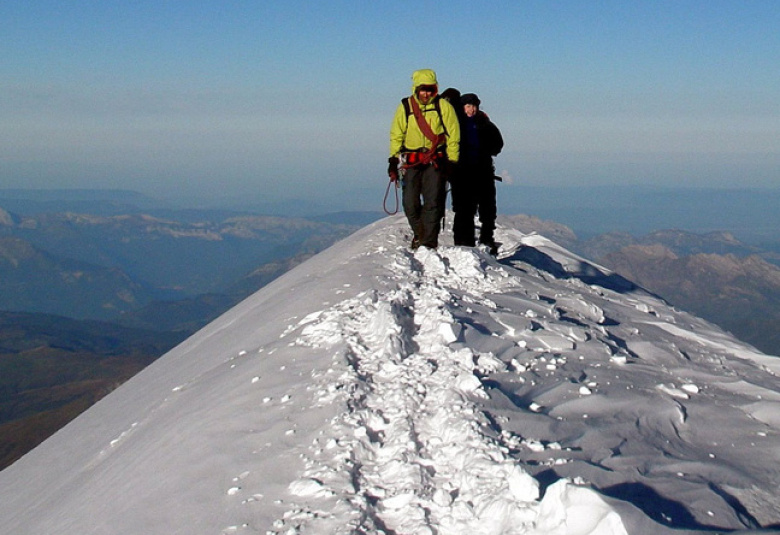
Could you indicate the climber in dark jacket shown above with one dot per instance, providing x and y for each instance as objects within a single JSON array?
[{"x": 473, "y": 184}]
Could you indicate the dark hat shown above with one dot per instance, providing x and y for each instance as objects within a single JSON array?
[{"x": 470, "y": 98}]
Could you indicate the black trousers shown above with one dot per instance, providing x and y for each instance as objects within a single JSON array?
[
  {"x": 473, "y": 190},
  {"x": 424, "y": 197}
]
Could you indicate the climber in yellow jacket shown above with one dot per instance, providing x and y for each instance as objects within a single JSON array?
[{"x": 424, "y": 148}]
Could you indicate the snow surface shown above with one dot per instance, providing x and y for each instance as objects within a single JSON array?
[{"x": 374, "y": 389}]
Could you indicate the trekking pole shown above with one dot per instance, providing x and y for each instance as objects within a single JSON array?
[{"x": 387, "y": 192}]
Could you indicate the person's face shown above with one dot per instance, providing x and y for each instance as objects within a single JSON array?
[
  {"x": 470, "y": 110},
  {"x": 424, "y": 94}
]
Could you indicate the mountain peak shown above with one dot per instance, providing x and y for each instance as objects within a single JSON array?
[
  {"x": 6, "y": 219},
  {"x": 373, "y": 389}
]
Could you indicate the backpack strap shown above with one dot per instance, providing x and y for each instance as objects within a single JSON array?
[
  {"x": 425, "y": 128},
  {"x": 407, "y": 108},
  {"x": 436, "y": 105}
]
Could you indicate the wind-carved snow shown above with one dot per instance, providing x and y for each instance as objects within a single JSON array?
[
  {"x": 375, "y": 390},
  {"x": 412, "y": 452}
]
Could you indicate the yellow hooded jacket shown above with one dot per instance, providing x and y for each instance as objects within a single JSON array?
[{"x": 406, "y": 134}]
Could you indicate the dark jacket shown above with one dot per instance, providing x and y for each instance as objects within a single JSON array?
[{"x": 480, "y": 140}]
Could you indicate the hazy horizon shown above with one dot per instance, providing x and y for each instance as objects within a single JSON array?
[{"x": 749, "y": 213}]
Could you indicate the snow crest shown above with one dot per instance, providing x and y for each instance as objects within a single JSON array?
[
  {"x": 411, "y": 452},
  {"x": 375, "y": 390}
]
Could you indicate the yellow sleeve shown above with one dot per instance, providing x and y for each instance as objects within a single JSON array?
[{"x": 398, "y": 131}]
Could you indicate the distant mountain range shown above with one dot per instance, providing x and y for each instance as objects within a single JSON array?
[
  {"x": 101, "y": 266},
  {"x": 32, "y": 279}
]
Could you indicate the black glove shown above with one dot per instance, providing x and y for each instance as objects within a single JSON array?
[
  {"x": 446, "y": 168},
  {"x": 392, "y": 168}
]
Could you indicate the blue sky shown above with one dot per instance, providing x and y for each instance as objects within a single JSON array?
[{"x": 295, "y": 98}]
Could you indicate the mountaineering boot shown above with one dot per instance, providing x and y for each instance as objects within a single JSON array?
[{"x": 491, "y": 245}]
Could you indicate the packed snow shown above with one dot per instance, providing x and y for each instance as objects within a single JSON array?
[{"x": 375, "y": 389}]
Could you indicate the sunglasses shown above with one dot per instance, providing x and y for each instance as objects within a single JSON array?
[{"x": 427, "y": 88}]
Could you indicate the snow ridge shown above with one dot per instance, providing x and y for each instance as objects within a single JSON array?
[
  {"x": 412, "y": 452},
  {"x": 375, "y": 390}
]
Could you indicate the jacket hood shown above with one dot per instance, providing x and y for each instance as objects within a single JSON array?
[{"x": 423, "y": 77}]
